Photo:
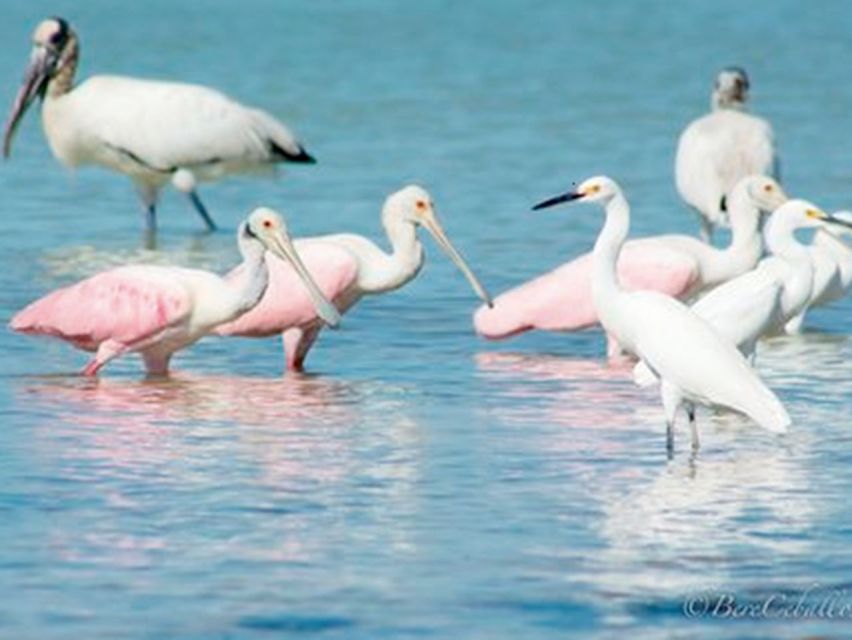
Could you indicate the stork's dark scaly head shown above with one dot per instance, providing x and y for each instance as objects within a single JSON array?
[{"x": 53, "y": 56}]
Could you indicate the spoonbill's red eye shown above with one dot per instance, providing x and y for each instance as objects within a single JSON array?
[
  {"x": 267, "y": 224},
  {"x": 421, "y": 204},
  {"x": 767, "y": 188}
]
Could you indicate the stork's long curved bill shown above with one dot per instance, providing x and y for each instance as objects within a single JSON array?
[
  {"x": 283, "y": 247},
  {"x": 434, "y": 227},
  {"x": 35, "y": 80}
]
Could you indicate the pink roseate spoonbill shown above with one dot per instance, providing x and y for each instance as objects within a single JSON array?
[
  {"x": 157, "y": 310},
  {"x": 694, "y": 363},
  {"x": 677, "y": 265},
  {"x": 347, "y": 267},
  {"x": 764, "y": 301},
  {"x": 717, "y": 150},
  {"x": 154, "y": 132}
]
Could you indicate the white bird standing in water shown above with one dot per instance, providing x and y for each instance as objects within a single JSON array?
[
  {"x": 764, "y": 301},
  {"x": 832, "y": 259},
  {"x": 154, "y": 132},
  {"x": 717, "y": 150},
  {"x": 696, "y": 365}
]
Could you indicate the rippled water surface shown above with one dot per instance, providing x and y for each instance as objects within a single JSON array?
[{"x": 418, "y": 482}]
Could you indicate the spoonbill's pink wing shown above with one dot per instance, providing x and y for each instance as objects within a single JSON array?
[
  {"x": 127, "y": 305},
  {"x": 286, "y": 303},
  {"x": 561, "y": 300}
]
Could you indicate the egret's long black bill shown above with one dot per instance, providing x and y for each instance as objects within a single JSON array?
[
  {"x": 839, "y": 222},
  {"x": 565, "y": 197}
]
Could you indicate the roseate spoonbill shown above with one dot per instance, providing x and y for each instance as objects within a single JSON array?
[
  {"x": 764, "y": 301},
  {"x": 695, "y": 364},
  {"x": 677, "y": 265},
  {"x": 154, "y": 132},
  {"x": 718, "y": 149},
  {"x": 346, "y": 267},
  {"x": 157, "y": 310}
]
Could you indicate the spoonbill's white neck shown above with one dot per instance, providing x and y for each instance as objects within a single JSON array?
[
  {"x": 406, "y": 257},
  {"x": 744, "y": 215},
  {"x": 250, "y": 279}
]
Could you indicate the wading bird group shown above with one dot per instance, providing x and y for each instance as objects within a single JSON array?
[{"x": 691, "y": 314}]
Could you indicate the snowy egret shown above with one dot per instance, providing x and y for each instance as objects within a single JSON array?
[
  {"x": 718, "y": 149},
  {"x": 346, "y": 267},
  {"x": 154, "y": 132},
  {"x": 764, "y": 301},
  {"x": 695, "y": 364},
  {"x": 157, "y": 310},
  {"x": 832, "y": 259},
  {"x": 677, "y": 265}
]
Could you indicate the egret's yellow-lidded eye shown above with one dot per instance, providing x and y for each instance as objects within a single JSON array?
[
  {"x": 816, "y": 214},
  {"x": 592, "y": 189}
]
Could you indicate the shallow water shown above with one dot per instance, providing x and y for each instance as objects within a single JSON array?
[{"x": 419, "y": 482}]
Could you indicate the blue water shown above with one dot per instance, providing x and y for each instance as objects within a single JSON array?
[{"x": 418, "y": 482}]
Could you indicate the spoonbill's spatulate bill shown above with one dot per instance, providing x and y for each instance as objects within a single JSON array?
[
  {"x": 154, "y": 132},
  {"x": 717, "y": 150},
  {"x": 347, "y": 267},
  {"x": 156, "y": 310},
  {"x": 694, "y": 363},
  {"x": 677, "y": 265}
]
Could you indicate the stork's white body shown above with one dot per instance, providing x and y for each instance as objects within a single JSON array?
[{"x": 148, "y": 129}]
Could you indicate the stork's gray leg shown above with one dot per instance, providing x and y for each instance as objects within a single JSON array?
[
  {"x": 184, "y": 181},
  {"x": 202, "y": 210},
  {"x": 148, "y": 195}
]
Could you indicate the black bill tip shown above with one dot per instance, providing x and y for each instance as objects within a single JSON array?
[{"x": 565, "y": 197}]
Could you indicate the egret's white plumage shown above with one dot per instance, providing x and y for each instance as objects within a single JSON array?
[
  {"x": 718, "y": 149},
  {"x": 696, "y": 365},
  {"x": 832, "y": 259},
  {"x": 155, "y": 132},
  {"x": 766, "y": 300}
]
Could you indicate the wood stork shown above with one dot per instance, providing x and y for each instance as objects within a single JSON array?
[
  {"x": 717, "y": 150},
  {"x": 154, "y": 132}
]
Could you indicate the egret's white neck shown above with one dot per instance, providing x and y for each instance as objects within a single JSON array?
[
  {"x": 63, "y": 81},
  {"x": 250, "y": 279},
  {"x": 781, "y": 240},
  {"x": 607, "y": 249}
]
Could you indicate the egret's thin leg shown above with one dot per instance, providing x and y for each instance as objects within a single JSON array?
[{"x": 693, "y": 427}]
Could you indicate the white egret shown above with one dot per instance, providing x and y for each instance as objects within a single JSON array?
[
  {"x": 695, "y": 364},
  {"x": 720, "y": 148},
  {"x": 764, "y": 301}
]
